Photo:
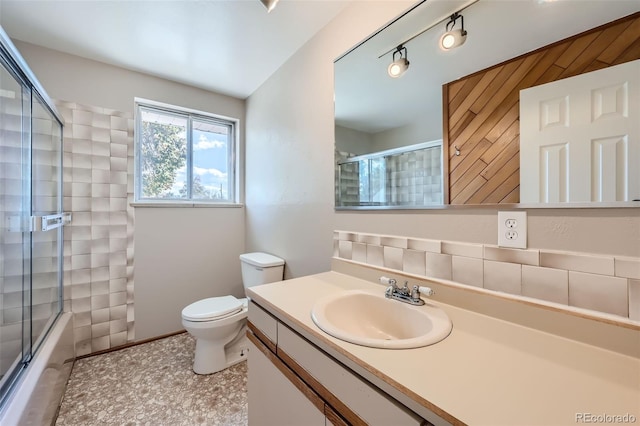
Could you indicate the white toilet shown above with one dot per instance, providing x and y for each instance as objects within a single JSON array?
[{"x": 219, "y": 323}]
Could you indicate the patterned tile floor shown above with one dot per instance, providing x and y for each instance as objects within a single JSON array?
[{"x": 153, "y": 384}]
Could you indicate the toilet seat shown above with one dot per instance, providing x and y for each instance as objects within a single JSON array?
[{"x": 213, "y": 308}]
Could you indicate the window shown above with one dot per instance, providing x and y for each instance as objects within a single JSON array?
[{"x": 182, "y": 156}]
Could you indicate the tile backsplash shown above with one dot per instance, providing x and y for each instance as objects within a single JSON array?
[{"x": 608, "y": 284}]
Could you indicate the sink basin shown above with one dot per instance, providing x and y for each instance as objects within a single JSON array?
[{"x": 369, "y": 319}]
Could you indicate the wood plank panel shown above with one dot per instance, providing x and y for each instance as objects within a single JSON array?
[
  {"x": 482, "y": 109},
  {"x": 473, "y": 96},
  {"x": 463, "y": 162},
  {"x": 496, "y": 189},
  {"x": 622, "y": 43},
  {"x": 498, "y": 196}
]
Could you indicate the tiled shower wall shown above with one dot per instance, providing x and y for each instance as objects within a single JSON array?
[
  {"x": 415, "y": 178},
  {"x": 98, "y": 244},
  {"x": 412, "y": 178},
  {"x": 607, "y": 284}
]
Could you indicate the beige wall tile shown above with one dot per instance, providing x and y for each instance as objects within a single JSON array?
[
  {"x": 336, "y": 252},
  {"x": 117, "y": 299},
  {"x": 99, "y": 316},
  {"x": 634, "y": 300},
  {"x": 359, "y": 252},
  {"x": 438, "y": 266},
  {"x": 99, "y": 302},
  {"x": 79, "y": 291},
  {"x": 369, "y": 239},
  {"x": 375, "y": 255},
  {"x": 345, "y": 249},
  {"x": 118, "y": 339},
  {"x": 413, "y": 261},
  {"x": 99, "y": 287},
  {"x": 432, "y": 246},
  {"x": 100, "y": 343},
  {"x": 577, "y": 262},
  {"x": 523, "y": 257},
  {"x": 503, "y": 276},
  {"x": 80, "y": 276},
  {"x": 346, "y": 236},
  {"x": 546, "y": 284},
  {"x": 467, "y": 270},
  {"x": 393, "y": 257},
  {"x": 81, "y": 319},
  {"x": 118, "y": 312},
  {"x": 599, "y": 292},
  {"x": 117, "y": 326},
  {"x": 462, "y": 249},
  {"x": 83, "y": 347},
  {"x": 389, "y": 241},
  {"x": 82, "y": 333},
  {"x": 627, "y": 267}
]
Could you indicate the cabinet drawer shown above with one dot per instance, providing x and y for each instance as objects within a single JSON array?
[
  {"x": 264, "y": 322},
  {"x": 365, "y": 400},
  {"x": 273, "y": 399}
]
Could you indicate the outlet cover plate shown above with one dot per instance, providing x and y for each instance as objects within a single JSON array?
[{"x": 512, "y": 229}]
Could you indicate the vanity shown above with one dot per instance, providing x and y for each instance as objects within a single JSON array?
[{"x": 505, "y": 362}]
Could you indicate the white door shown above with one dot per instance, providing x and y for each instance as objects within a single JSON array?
[{"x": 580, "y": 138}]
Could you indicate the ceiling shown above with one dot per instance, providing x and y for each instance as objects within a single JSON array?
[{"x": 226, "y": 46}]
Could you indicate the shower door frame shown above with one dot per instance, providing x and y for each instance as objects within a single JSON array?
[{"x": 31, "y": 92}]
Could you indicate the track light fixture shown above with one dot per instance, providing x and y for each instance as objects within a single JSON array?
[
  {"x": 453, "y": 38},
  {"x": 399, "y": 66},
  {"x": 269, "y": 4}
]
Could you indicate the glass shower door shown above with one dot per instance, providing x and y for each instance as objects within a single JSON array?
[
  {"x": 15, "y": 235},
  {"x": 31, "y": 222},
  {"x": 46, "y": 208}
]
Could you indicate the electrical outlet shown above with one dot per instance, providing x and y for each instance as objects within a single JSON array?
[{"x": 512, "y": 229}]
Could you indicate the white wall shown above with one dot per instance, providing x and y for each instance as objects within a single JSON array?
[
  {"x": 290, "y": 196},
  {"x": 180, "y": 254},
  {"x": 353, "y": 141},
  {"x": 411, "y": 134}
]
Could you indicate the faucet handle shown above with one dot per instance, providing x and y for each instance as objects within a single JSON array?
[
  {"x": 415, "y": 292},
  {"x": 418, "y": 291},
  {"x": 427, "y": 291},
  {"x": 388, "y": 281}
]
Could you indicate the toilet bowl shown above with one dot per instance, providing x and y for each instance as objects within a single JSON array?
[{"x": 219, "y": 323}]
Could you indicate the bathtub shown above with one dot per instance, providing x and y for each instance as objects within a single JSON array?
[{"x": 36, "y": 397}]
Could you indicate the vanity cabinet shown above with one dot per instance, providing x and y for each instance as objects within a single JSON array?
[
  {"x": 274, "y": 399},
  {"x": 292, "y": 379}
]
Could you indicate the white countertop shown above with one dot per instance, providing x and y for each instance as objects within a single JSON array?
[{"x": 487, "y": 372}]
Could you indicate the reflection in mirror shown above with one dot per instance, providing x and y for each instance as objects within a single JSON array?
[
  {"x": 406, "y": 176},
  {"x": 375, "y": 113},
  {"x": 583, "y": 126}
]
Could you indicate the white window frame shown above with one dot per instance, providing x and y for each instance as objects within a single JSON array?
[{"x": 234, "y": 187}]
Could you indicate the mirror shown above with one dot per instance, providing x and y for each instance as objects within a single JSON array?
[{"x": 378, "y": 117}]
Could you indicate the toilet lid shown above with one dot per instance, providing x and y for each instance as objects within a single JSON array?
[{"x": 212, "y": 308}]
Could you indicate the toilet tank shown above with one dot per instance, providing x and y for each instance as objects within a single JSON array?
[{"x": 260, "y": 268}]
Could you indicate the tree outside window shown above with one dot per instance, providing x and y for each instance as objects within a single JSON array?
[{"x": 184, "y": 156}]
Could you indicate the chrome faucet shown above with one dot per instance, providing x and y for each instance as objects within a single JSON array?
[{"x": 403, "y": 294}]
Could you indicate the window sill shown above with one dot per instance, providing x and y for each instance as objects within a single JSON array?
[{"x": 169, "y": 204}]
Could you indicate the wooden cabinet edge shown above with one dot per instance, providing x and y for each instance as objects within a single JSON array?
[
  {"x": 255, "y": 332},
  {"x": 338, "y": 413}
]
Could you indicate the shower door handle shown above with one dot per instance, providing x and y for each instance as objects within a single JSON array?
[
  {"x": 53, "y": 221},
  {"x": 37, "y": 223}
]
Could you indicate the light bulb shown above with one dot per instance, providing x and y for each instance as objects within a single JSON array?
[
  {"x": 451, "y": 39},
  {"x": 398, "y": 67}
]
